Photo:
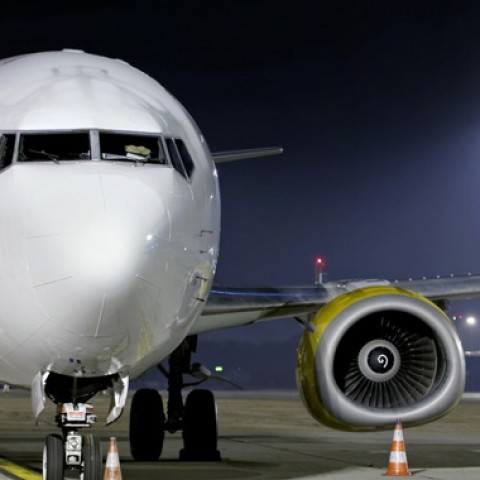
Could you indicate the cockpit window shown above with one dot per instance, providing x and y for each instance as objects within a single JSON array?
[
  {"x": 59, "y": 146},
  {"x": 54, "y": 146},
  {"x": 131, "y": 148},
  {"x": 7, "y": 147},
  {"x": 181, "y": 159},
  {"x": 185, "y": 156}
]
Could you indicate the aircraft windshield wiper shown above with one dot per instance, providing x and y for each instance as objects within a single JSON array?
[{"x": 50, "y": 156}]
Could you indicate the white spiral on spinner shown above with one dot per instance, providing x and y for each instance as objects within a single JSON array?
[{"x": 383, "y": 360}]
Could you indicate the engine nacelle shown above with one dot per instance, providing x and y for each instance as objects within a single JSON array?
[{"x": 379, "y": 354}]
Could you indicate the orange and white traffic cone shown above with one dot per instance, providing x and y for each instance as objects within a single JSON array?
[
  {"x": 398, "y": 465},
  {"x": 112, "y": 465}
]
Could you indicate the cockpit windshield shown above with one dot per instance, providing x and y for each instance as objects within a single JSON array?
[
  {"x": 131, "y": 148},
  {"x": 136, "y": 148},
  {"x": 54, "y": 146}
]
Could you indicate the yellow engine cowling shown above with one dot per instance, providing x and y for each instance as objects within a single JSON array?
[{"x": 378, "y": 354}]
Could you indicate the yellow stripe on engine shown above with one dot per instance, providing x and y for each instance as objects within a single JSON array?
[{"x": 18, "y": 471}]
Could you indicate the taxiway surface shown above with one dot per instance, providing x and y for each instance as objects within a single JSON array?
[{"x": 263, "y": 436}]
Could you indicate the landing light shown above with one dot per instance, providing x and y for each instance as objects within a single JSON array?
[{"x": 219, "y": 369}]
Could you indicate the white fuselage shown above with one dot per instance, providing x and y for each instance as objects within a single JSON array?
[{"x": 104, "y": 264}]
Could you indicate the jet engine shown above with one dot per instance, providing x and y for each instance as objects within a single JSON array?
[{"x": 379, "y": 354}]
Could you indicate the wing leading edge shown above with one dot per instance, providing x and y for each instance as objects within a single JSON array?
[{"x": 231, "y": 307}]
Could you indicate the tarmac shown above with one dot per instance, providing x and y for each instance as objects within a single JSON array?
[{"x": 262, "y": 435}]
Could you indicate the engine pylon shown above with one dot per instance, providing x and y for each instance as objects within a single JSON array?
[{"x": 398, "y": 465}]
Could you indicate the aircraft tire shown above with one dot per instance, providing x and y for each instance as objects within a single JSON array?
[
  {"x": 200, "y": 427},
  {"x": 92, "y": 458},
  {"x": 147, "y": 421},
  {"x": 53, "y": 458}
]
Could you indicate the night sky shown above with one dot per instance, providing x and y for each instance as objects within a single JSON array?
[{"x": 376, "y": 103}]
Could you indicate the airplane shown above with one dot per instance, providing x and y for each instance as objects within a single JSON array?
[{"x": 109, "y": 239}]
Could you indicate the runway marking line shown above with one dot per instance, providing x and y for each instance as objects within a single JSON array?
[{"x": 18, "y": 471}]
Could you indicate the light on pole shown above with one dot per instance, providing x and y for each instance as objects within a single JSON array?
[{"x": 319, "y": 266}]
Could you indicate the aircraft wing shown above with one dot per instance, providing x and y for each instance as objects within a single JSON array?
[
  {"x": 230, "y": 307},
  {"x": 234, "y": 155}
]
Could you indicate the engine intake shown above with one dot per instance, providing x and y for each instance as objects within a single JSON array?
[{"x": 378, "y": 354}]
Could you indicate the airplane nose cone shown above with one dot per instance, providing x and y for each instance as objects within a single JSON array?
[{"x": 87, "y": 237}]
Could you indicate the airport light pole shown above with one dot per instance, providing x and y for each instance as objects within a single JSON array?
[
  {"x": 470, "y": 323},
  {"x": 319, "y": 265}
]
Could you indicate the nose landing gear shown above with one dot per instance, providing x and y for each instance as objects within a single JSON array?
[
  {"x": 71, "y": 450},
  {"x": 53, "y": 458}
]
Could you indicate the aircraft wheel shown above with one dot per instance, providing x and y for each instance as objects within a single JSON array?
[
  {"x": 53, "y": 458},
  {"x": 92, "y": 458},
  {"x": 200, "y": 427},
  {"x": 147, "y": 422}
]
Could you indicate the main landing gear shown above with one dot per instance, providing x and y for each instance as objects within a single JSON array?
[
  {"x": 197, "y": 418},
  {"x": 72, "y": 451}
]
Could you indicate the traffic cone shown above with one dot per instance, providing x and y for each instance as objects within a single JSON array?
[
  {"x": 112, "y": 465},
  {"x": 398, "y": 465}
]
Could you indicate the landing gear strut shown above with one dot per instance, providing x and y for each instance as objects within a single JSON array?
[
  {"x": 197, "y": 418},
  {"x": 72, "y": 450}
]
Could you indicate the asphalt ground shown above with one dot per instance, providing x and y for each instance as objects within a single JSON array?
[{"x": 263, "y": 435}]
